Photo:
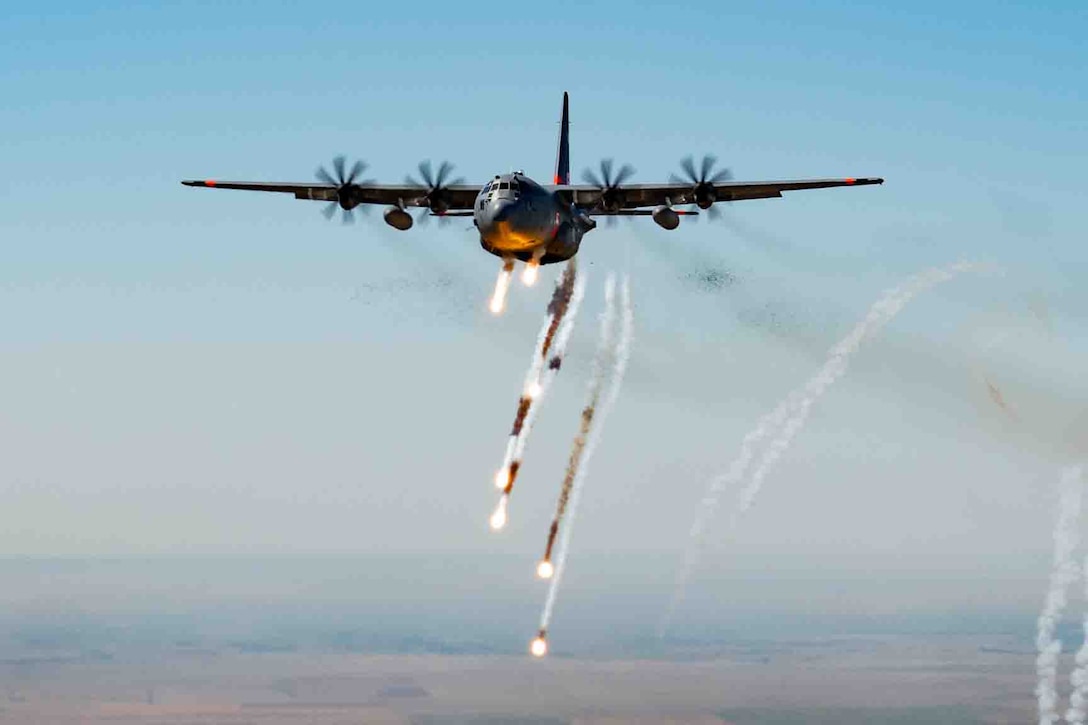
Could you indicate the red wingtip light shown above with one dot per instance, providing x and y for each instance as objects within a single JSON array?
[
  {"x": 850, "y": 181},
  {"x": 209, "y": 182}
]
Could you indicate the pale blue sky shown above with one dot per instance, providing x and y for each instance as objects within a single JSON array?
[{"x": 188, "y": 370}]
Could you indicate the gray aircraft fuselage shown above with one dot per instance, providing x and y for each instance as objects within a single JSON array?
[{"x": 518, "y": 218}]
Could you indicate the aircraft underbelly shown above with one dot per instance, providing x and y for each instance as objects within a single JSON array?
[{"x": 504, "y": 238}]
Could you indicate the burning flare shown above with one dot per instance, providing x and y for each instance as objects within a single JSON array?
[
  {"x": 539, "y": 646},
  {"x": 529, "y": 275},
  {"x": 532, "y": 267},
  {"x": 502, "y": 477},
  {"x": 498, "y": 519},
  {"x": 545, "y": 569},
  {"x": 502, "y": 285}
]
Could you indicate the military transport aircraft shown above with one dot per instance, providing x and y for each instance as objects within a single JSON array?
[{"x": 517, "y": 218}]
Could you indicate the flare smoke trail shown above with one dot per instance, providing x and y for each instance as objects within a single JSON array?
[
  {"x": 597, "y": 377},
  {"x": 553, "y": 338},
  {"x": 573, "y": 465},
  {"x": 558, "y": 307},
  {"x": 557, "y": 312},
  {"x": 546, "y": 374},
  {"x": 1077, "y": 713},
  {"x": 1078, "y": 701},
  {"x": 837, "y": 362},
  {"x": 1063, "y": 573},
  {"x": 999, "y": 399},
  {"x": 789, "y": 416},
  {"x": 579, "y": 446},
  {"x": 616, "y": 350}
]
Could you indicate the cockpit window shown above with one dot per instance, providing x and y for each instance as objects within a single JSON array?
[{"x": 504, "y": 185}]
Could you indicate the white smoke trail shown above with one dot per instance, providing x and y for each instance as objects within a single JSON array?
[
  {"x": 1078, "y": 701},
  {"x": 540, "y": 378},
  {"x": 532, "y": 375},
  {"x": 562, "y": 336},
  {"x": 619, "y": 352},
  {"x": 536, "y": 377},
  {"x": 789, "y": 416},
  {"x": 1063, "y": 573},
  {"x": 545, "y": 373},
  {"x": 837, "y": 362},
  {"x": 560, "y": 313},
  {"x": 606, "y": 339}
]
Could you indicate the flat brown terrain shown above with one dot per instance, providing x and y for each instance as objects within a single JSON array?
[{"x": 843, "y": 680}]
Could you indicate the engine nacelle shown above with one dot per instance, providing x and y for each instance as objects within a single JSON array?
[
  {"x": 398, "y": 218},
  {"x": 584, "y": 221},
  {"x": 666, "y": 217},
  {"x": 705, "y": 196}
]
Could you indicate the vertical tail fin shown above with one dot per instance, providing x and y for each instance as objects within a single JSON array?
[{"x": 562, "y": 160}]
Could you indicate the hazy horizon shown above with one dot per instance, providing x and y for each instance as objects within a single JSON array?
[{"x": 222, "y": 416}]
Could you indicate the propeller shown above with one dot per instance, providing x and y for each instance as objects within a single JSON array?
[
  {"x": 702, "y": 181},
  {"x": 437, "y": 198},
  {"x": 609, "y": 182},
  {"x": 347, "y": 186}
]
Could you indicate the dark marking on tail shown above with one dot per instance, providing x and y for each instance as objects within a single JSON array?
[{"x": 562, "y": 160}]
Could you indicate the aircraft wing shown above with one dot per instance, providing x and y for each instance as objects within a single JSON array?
[
  {"x": 457, "y": 197},
  {"x": 633, "y": 196}
]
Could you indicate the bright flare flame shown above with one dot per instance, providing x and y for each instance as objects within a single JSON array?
[
  {"x": 534, "y": 389},
  {"x": 498, "y": 519},
  {"x": 502, "y": 477},
  {"x": 544, "y": 569},
  {"x": 539, "y": 647},
  {"x": 528, "y": 277},
  {"x": 502, "y": 284}
]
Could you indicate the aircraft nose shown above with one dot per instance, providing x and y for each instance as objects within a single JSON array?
[{"x": 501, "y": 210}]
